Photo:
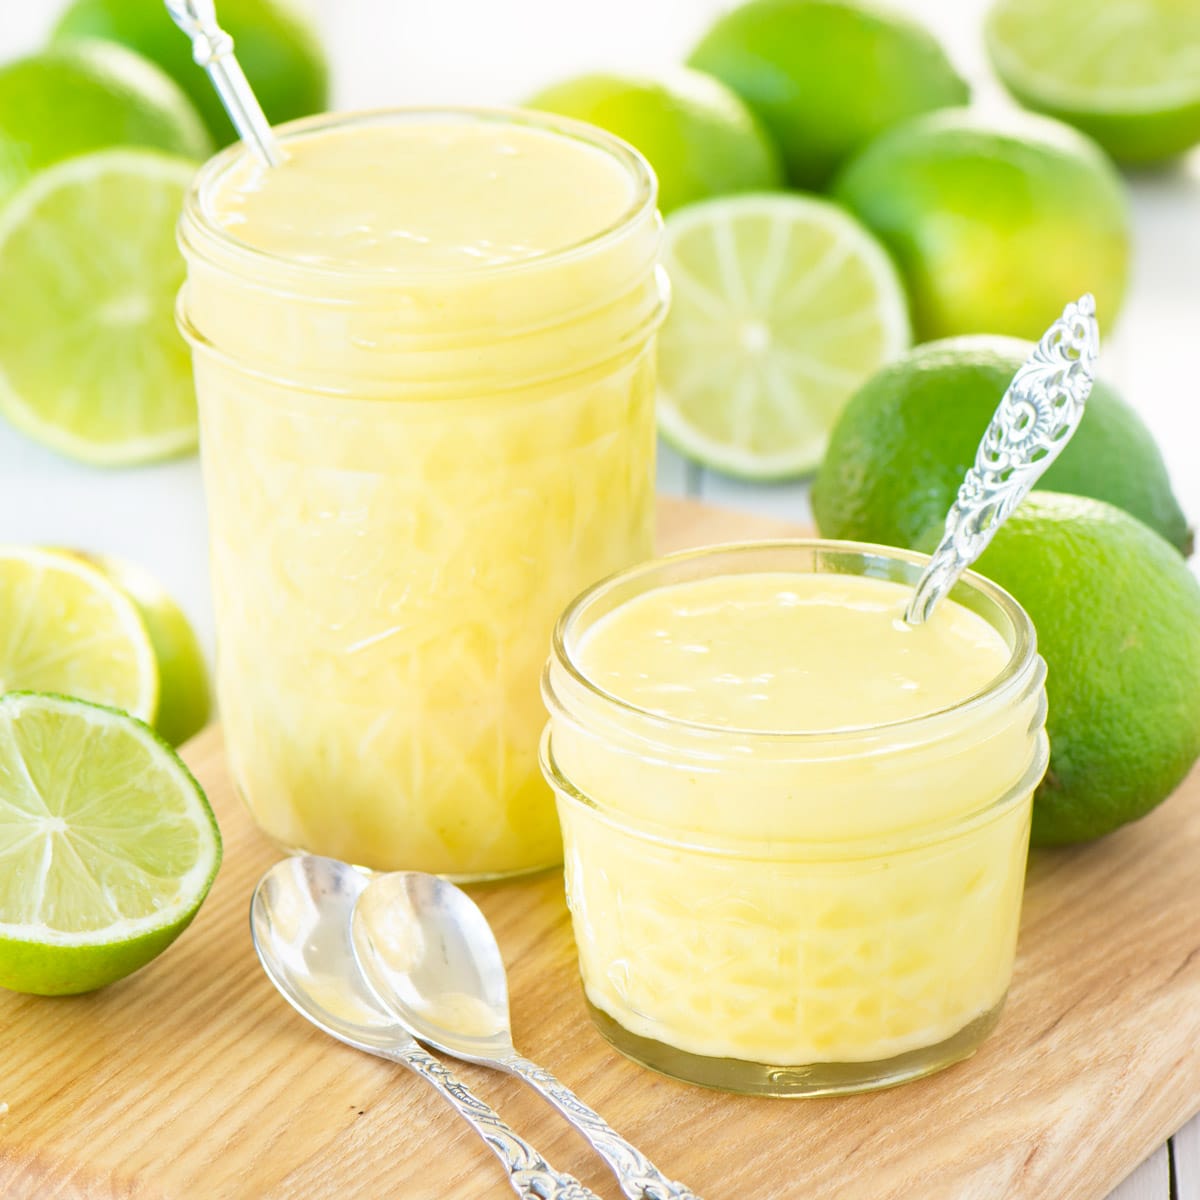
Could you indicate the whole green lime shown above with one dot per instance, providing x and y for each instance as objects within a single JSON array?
[
  {"x": 827, "y": 76},
  {"x": 276, "y": 46},
  {"x": 1117, "y": 615},
  {"x": 73, "y": 99},
  {"x": 903, "y": 443},
  {"x": 996, "y": 220},
  {"x": 1136, "y": 89},
  {"x": 700, "y": 138}
]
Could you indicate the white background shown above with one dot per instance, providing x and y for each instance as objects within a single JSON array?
[{"x": 497, "y": 51}]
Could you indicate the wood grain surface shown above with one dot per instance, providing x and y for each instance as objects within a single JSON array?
[{"x": 193, "y": 1078}]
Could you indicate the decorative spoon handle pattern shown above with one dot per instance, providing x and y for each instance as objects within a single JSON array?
[
  {"x": 640, "y": 1179},
  {"x": 1037, "y": 416},
  {"x": 531, "y": 1176}
]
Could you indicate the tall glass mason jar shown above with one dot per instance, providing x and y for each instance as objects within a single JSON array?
[
  {"x": 799, "y": 912},
  {"x": 413, "y": 456}
]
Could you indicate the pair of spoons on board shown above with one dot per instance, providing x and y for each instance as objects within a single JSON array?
[{"x": 381, "y": 961}]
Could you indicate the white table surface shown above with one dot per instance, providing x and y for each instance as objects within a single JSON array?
[{"x": 480, "y": 51}]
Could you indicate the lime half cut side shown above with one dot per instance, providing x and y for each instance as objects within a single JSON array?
[
  {"x": 91, "y": 363},
  {"x": 107, "y": 845},
  {"x": 782, "y": 306},
  {"x": 66, "y": 627},
  {"x": 1127, "y": 72}
]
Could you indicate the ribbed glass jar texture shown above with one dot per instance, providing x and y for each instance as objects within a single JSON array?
[
  {"x": 795, "y": 913},
  {"x": 407, "y": 477}
]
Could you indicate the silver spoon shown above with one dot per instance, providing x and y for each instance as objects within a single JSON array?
[
  {"x": 1039, "y": 412},
  {"x": 212, "y": 48},
  {"x": 300, "y": 923},
  {"x": 430, "y": 956}
]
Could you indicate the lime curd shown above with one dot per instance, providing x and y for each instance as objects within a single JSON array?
[
  {"x": 795, "y": 826},
  {"x": 423, "y": 350},
  {"x": 424, "y": 195}
]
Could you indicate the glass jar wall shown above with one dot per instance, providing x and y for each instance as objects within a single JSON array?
[
  {"x": 785, "y": 911},
  {"x": 413, "y": 458}
]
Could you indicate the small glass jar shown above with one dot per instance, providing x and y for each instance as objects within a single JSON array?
[
  {"x": 797, "y": 913},
  {"x": 407, "y": 477}
]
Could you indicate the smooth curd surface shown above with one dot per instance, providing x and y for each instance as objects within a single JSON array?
[
  {"x": 789, "y": 652},
  {"x": 437, "y": 195},
  {"x": 784, "y": 903},
  {"x": 404, "y": 490}
]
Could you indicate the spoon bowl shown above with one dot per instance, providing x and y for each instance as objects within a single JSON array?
[
  {"x": 429, "y": 955},
  {"x": 300, "y": 925},
  {"x": 427, "y": 951}
]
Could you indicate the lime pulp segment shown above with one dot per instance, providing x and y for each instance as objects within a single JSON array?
[
  {"x": 107, "y": 844},
  {"x": 103, "y": 835}
]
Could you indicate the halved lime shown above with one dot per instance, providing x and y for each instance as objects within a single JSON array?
[
  {"x": 184, "y": 694},
  {"x": 1127, "y": 72},
  {"x": 107, "y": 845},
  {"x": 86, "y": 95},
  {"x": 277, "y": 44},
  {"x": 66, "y": 627},
  {"x": 782, "y": 305},
  {"x": 90, "y": 360}
]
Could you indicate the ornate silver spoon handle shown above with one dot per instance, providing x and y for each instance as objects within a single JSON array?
[
  {"x": 1037, "y": 416},
  {"x": 640, "y": 1179},
  {"x": 530, "y": 1175}
]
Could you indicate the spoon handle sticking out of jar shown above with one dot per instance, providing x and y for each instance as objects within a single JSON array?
[
  {"x": 1040, "y": 411},
  {"x": 212, "y": 48}
]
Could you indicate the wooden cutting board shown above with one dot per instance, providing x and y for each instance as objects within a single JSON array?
[{"x": 194, "y": 1078}]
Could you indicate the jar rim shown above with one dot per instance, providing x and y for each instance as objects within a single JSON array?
[
  {"x": 197, "y": 215},
  {"x": 1022, "y": 659}
]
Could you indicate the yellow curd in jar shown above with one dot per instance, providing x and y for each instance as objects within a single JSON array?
[
  {"x": 796, "y": 827},
  {"x": 775, "y": 652},
  {"x": 423, "y": 195},
  {"x": 424, "y": 362}
]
